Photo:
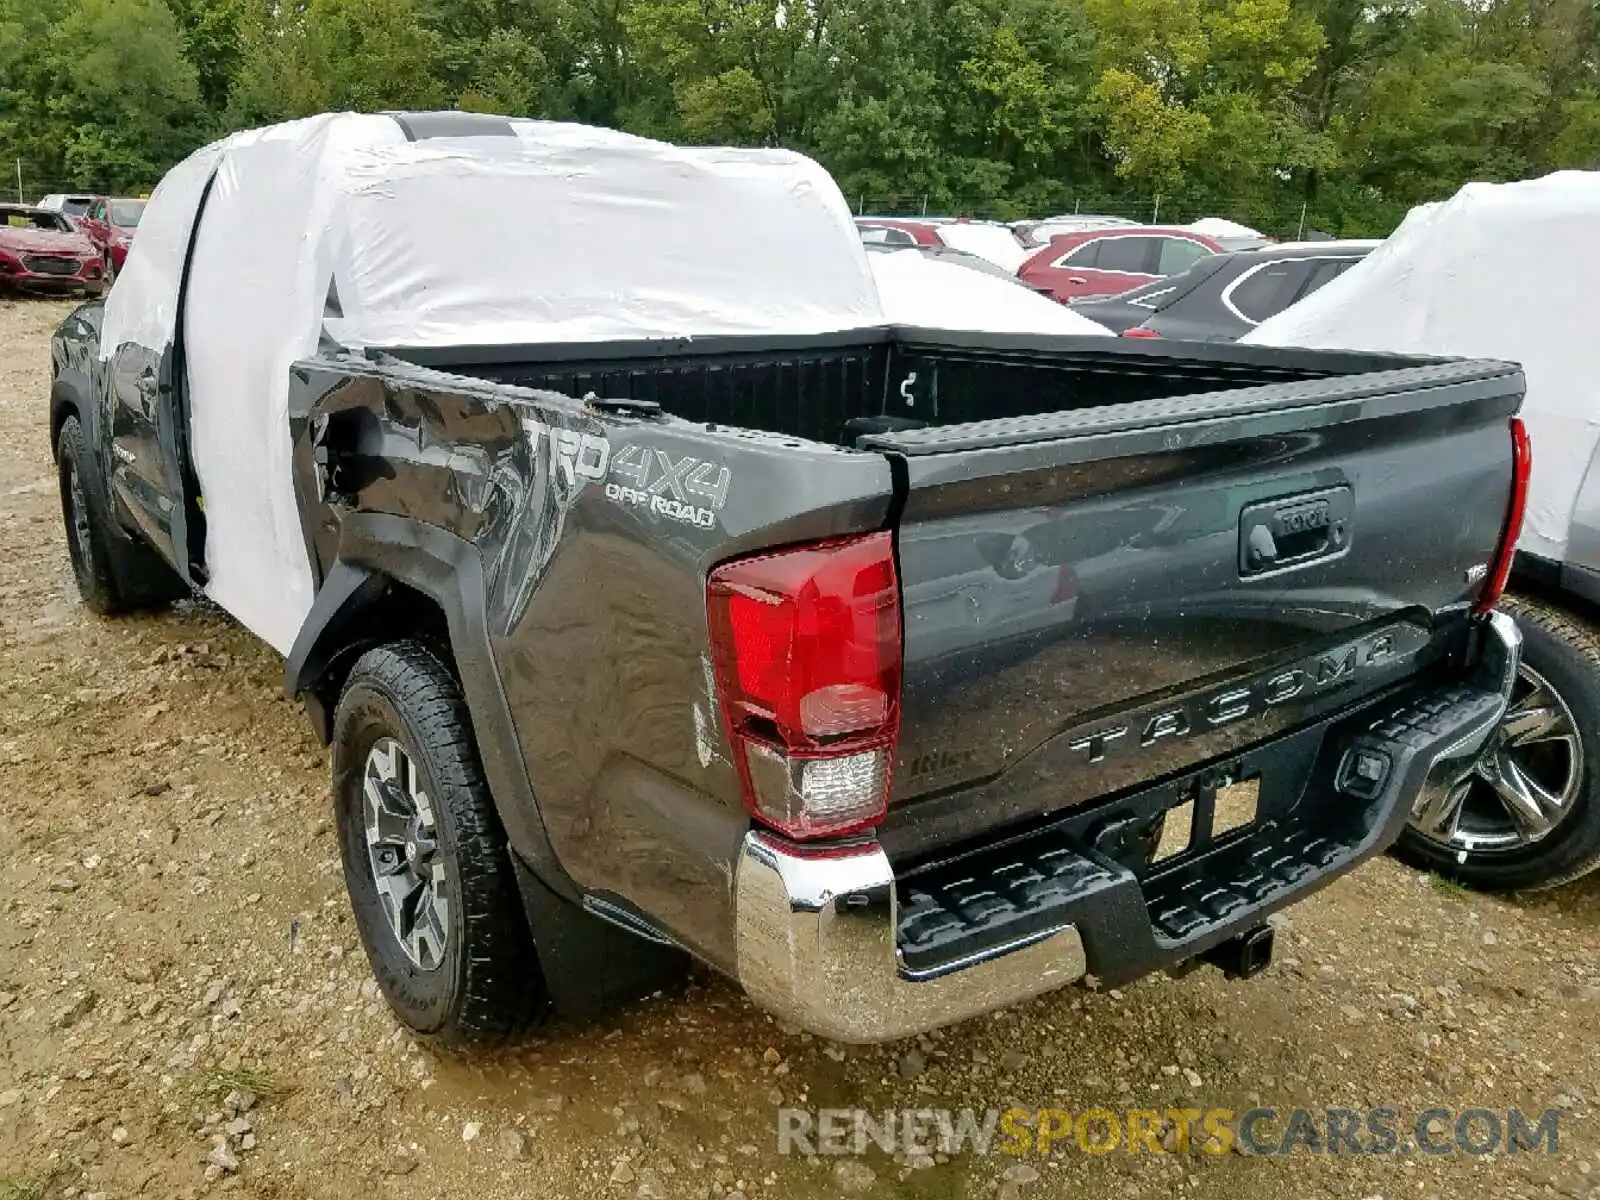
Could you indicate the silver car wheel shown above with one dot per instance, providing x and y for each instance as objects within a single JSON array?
[
  {"x": 1525, "y": 783},
  {"x": 403, "y": 849}
]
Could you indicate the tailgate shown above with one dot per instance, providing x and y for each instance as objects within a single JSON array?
[{"x": 1100, "y": 598}]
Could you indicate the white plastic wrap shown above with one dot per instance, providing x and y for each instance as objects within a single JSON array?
[
  {"x": 996, "y": 243},
  {"x": 142, "y": 308},
  {"x": 568, "y": 233},
  {"x": 1499, "y": 271},
  {"x": 256, "y": 290},
  {"x": 560, "y": 233},
  {"x": 922, "y": 291},
  {"x": 1221, "y": 227}
]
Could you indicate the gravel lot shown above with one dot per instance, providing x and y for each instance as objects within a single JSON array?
[{"x": 184, "y": 1008}]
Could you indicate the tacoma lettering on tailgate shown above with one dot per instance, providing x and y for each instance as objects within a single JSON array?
[{"x": 1233, "y": 702}]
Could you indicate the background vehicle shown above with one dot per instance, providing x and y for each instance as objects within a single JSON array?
[
  {"x": 70, "y": 206},
  {"x": 41, "y": 252},
  {"x": 1103, "y": 262},
  {"x": 1035, "y": 234},
  {"x": 647, "y": 607},
  {"x": 1509, "y": 270},
  {"x": 110, "y": 224},
  {"x": 988, "y": 240},
  {"x": 1223, "y": 297},
  {"x": 957, "y": 258},
  {"x": 1230, "y": 234},
  {"x": 941, "y": 288},
  {"x": 898, "y": 231}
]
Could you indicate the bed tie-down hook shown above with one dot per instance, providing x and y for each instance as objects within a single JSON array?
[{"x": 905, "y": 390}]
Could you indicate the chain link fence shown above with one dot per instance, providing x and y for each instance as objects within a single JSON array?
[
  {"x": 1287, "y": 220},
  {"x": 20, "y": 186}
]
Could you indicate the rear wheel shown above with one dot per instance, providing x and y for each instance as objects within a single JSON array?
[
  {"x": 1529, "y": 815},
  {"x": 114, "y": 573},
  {"x": 425, "y": 859}
]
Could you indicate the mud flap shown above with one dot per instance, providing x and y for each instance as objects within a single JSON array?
[{"x": 591, "y": 965}]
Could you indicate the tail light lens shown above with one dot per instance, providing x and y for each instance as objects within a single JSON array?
[
  {"x": 1139, "y": 331},
  {"x": 806, "y": 644},
  {"x": 1494, "y": 585}
]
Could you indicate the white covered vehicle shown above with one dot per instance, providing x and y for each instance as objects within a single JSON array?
[{"x": 1509, "y": 271}]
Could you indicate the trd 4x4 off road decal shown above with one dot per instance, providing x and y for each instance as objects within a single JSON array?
[
  {"x": 682, "y": 489},
  {"x": 577, "y": 455},
  {"x": 690, "y": 490}
]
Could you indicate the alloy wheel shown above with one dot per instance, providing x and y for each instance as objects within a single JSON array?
[
  {"x": 403, "y": 849},
  {"x": 77, "y": 502},
  {"x": 1524, "y": 783}
]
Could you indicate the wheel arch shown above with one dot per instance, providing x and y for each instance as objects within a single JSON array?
[
  {"x": 64, "y": 403},
  {"x": 1560, "y": 585},
  {"x": 394, "y": 578}
]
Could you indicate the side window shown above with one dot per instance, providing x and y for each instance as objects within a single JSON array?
[
  {"x": 1267, "y": 290},
  {"x": 1086, "y": 255},
  {"x": 1178, "y": 255},
  {"x": 1325, "y": 271},
  {"x": 885, "y": 235},
  {"x": 1129, "y": 254},
  {"x": 98, "y": 212}
]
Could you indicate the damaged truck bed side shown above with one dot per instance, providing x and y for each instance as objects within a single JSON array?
[{"x": 899, "y": 675}]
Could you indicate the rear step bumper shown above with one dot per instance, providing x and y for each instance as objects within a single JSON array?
[{"x": 831, "y": 940}]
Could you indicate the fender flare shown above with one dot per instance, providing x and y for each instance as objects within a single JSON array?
[{"x": 375, "y": 549}]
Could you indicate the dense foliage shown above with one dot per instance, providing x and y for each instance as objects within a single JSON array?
[{"x": 1246, "y": 108}]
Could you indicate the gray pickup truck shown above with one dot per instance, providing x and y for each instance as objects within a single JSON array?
[{"x": 898, "y": 675}]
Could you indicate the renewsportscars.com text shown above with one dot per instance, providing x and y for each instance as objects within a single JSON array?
[{"x": 1254, "y": 1131}]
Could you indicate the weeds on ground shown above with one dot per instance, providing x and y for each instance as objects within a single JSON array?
[
  {"x": 1447, "y": 887},
  {"x": 14, "y": 1187},
  {"x": 220, "y": 1082}
]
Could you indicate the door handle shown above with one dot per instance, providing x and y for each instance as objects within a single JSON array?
[
  {"x": 1294, "y": 530},
  {"x": 1076, "y": 279}
]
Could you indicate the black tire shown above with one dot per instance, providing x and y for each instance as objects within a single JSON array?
[
  {"x": 1564, "y": 651},
  {"x": 114, "y": 573},
  {"x": 486, "y": 984}
]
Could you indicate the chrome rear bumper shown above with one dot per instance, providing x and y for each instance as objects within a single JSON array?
[
  {"x": 819, "y": 929},
  {"x": 816, "y": 943}
]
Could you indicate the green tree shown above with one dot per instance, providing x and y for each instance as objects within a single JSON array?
[
  {"x": 330, "y": 55},
  {"x": 97, "y": 93},
  {"x": 1353, "y": 109}
]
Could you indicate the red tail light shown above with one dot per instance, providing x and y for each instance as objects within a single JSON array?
[
  {"x": 1139, "y": 331},
  {"x": 807, "y": 650},
  {"x": 1521, "y": 468}
]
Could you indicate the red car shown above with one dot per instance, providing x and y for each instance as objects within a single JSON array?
[
  {"x": 109, "y": 224},
  {"x": 41, "y": 252},
  {"x": 897, "y": 231},
  {"x": 1103, "y": 262}
]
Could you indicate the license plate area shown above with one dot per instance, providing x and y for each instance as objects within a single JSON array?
[
  {"x": 1174, "y": 823},
  {"x": 1234, "y": 804}
]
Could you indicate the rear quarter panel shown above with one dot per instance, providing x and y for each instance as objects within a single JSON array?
[{"x": 595, "y": 533}]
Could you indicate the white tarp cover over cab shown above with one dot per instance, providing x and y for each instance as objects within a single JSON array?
[
  {"x": 1499, "y": 271},
  {"x": 554, "y": 233}
]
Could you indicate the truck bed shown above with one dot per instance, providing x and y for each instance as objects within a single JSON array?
[{"x": 814, "y": 388}]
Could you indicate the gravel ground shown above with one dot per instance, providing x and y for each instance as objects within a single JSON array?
[{"x": 184, "y": 1008}]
